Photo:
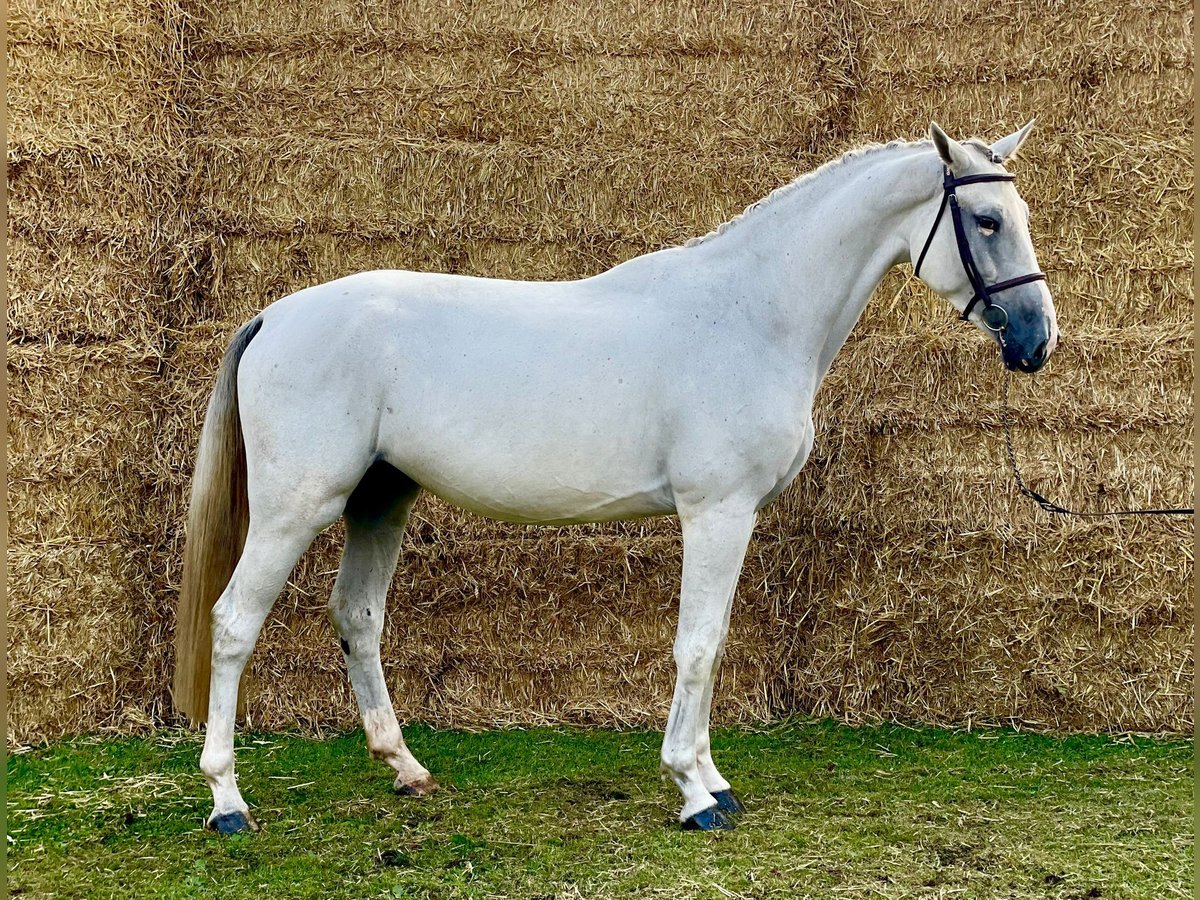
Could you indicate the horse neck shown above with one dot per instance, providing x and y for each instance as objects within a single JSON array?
[{"x": 809, "y": 259}]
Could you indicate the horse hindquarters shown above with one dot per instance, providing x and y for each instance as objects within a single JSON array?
[{"x": 266, "y": 470}]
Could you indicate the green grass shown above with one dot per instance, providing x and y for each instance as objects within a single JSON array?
[{"x": 555, "y": 813}]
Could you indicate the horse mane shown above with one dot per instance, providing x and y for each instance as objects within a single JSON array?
[{"x": 816, "y": 174}]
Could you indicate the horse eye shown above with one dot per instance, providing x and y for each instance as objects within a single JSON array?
[{"x": 987, "y": 224}]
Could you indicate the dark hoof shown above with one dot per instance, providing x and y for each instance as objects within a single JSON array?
[
  {"x": 232, "y": 823},
  {"x": 727, "y": 802},
  {"x": 711, "y": 819},
  {"x": 420, "y": 788}
]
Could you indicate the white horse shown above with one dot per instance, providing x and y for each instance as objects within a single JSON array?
[{"x": 679, "y": 382}]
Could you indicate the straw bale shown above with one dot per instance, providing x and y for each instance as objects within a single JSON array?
[
  {"x": 468, "y": 189},
  {"x": 76, "y": 619},
  {"x": 188, "y": 379},
  {"x": 1126, "y": 106},
  {"x": 1087, "y": 210},
  {"x": 81, "y": 291},
  {"x": 566, "y": 28},
  {"x": 252, "y": 272},
  {"x": 104, "y": 505},
  {"x": 46, "y": 189},
  {"x": 67, "y": 97},
  {"x": 943, "y": 376},
  {"x": 778, "y": 105},
  {"x": 78, "y": 426},
  {"x": 958, "y": 478},
  {"x": 1121, "y": 293},
  {"x": 64, "y": 22},
  {"x": 991, "y": 631},
  {"x": 1115, "y": 297},
  {"x": 76, "y": 410},
  {"x": 1008, "y": 42}
]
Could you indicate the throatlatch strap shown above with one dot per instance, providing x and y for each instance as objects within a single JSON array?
[{"x": 932, "y": 232}]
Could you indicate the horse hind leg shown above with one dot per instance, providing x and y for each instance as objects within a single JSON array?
[
  {"x": 270, "y": 552},
  {"x": 376, "y": 514}
]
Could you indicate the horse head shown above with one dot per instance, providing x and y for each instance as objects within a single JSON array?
[{"x": 985, "y": 265}]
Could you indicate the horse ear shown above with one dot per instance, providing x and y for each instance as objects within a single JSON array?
[
  {"x": 1006, "y": 148},
  {"x": 953, "y": 154}
]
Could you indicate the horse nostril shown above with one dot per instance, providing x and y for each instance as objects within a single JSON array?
[{"x": 1039, "y": 355}]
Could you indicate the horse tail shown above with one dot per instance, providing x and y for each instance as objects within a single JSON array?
[{"x": 218, "y": 517}]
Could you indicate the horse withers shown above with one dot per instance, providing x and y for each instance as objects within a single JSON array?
[{"x": 678, "y": 383}]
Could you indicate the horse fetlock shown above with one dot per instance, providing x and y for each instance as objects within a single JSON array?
[
  {"x": 384, "y": 737},
  {"x": 216, "y": 764},
  {"x": 676, "y": 763}
]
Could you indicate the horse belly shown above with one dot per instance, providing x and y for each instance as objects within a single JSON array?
[
  {"x": 536, "y": 457},
  {"x": 546, "y": 489},
  {"x": 538, "y": 504}
]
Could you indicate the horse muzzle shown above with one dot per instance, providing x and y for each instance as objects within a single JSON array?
[{"x": 1019, "y": 356}]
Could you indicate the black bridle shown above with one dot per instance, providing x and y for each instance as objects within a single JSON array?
[{"x": 994, "y": 316}]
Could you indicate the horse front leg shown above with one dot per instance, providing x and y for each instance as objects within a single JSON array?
[
  {"x": 714, "y": 546},
  {"x": 714, "y": 781}
]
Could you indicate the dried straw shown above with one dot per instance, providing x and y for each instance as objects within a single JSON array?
[{"x": 175, "y": 167}]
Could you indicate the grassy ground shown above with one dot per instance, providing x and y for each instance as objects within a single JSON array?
[{"x": 551, "y": 813}]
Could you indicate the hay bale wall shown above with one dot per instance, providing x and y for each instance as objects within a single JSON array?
[
  {"x": 189, "y": 164},
  {"x": 96, "y": 231}
]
